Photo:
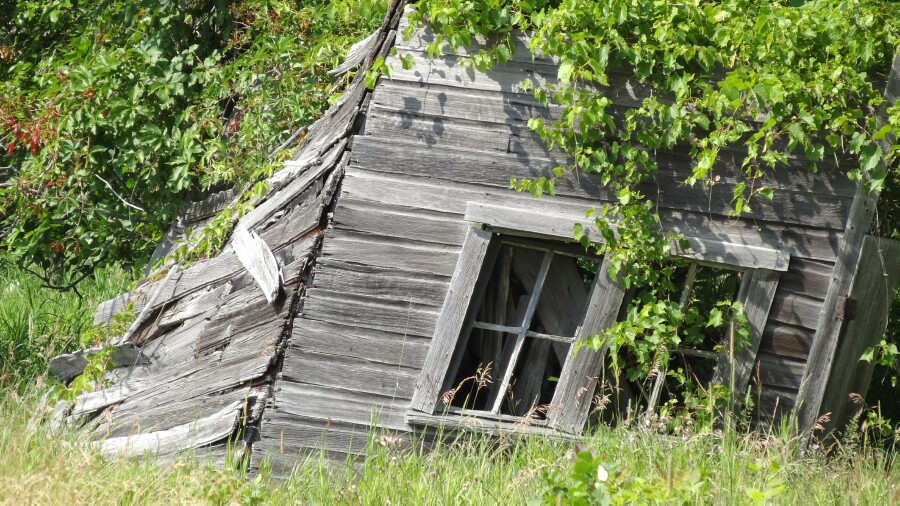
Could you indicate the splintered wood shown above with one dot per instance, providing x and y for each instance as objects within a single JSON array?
[{"x": 259, "y": 261}]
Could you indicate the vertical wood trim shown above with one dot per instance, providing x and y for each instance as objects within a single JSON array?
[
  {"x": 451, "y": 320},
  {"x": 722, "y": 373},
  {"x": 874, "y": 291},
  {"x": 578, "y": 379},
  {"x": 757, "y": 302},
  {"x": 828, "y": 329},
  {"x": 478, "y": 295},
  {"x": 661, "y": 373}
]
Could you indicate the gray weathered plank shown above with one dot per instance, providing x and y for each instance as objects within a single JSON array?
[
  {"x": 225, "y": 266},
  {"x": 69, "y": 365},
  {"x": 381, "y": 251},
  {"x": 523, "y": 220},
  {"x": 796, "y": 309},
  {"x": 781, "y": 372},
  {"x": 358, "y": 52},
  {"x": 451, "y": 164},
  {"x": 561, "y": 227},
  {"x": 324, "y": 338},
  {"x": 152, "y": 296},
  {"x": 437, "y": 130},
  {"x": 290, "y": 441},
  {"x": 788, "y": 340},
  {"x": 259, "y": 261},
  {"x": 399, "y": 221},
  {"x": 800, "y": 242},
  {"x": 422, "y": 36},
  {"x": 448, "y": 70},
  {"x": 282, "y": 198},
  {"x": 449, "y": 198},
  {"x": 191, "y": 435},
  {"x": 772, "y": 404},
  {"x": 809, "y": 277},
  {"x": 829, "y": 327},
  {"x": 451, "y": 319},
  {"x": 874, "y": 290},
  {"x": 353, "y": 375},
  {"x": 370, "y": 312},
  {"x": 189, "y": 307},
  {"x": 759, "y": 296},
  {"x": 483, "y": 425},
  {"x": 412, "y": 287},
  {"x": 439, "y": 124},
  {"x": 527, "y": 390},
  {"x": 130, "y": 418},
  {"x": 575, "y": 390},
  {"x": 738, "y": 255},
  {"x": 340, "y": 405},
  {"x": 472, "y": 106}
]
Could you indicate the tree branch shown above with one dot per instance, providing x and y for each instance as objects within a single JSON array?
[{"x": 129, "y": 204}]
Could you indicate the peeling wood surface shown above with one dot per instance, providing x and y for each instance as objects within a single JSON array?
[{"x": 259, "y": 261}]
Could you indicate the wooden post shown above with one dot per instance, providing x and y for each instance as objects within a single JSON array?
[
  {"x": 877, "y": 280},
  {"x": 828, "y": 330}
]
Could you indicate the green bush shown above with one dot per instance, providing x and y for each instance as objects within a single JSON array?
[{"x": 113, "y": 113}]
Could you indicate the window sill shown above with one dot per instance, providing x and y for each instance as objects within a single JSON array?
[{"x": 491, "y": 425}]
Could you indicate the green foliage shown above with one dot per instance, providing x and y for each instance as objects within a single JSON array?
[
  {"x": 37, "y": 324},
  {"x": 113, "y": 113},
  {"x": 594, "y": 479},
  {"x": 92, "y": 378}
]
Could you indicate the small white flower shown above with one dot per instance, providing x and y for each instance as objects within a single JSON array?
[{"x": 602, "y": 474}]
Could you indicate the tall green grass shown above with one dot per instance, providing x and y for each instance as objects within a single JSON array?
[
  {"x": 38, "y": 323},
  {"x": 42, "y": 467}
]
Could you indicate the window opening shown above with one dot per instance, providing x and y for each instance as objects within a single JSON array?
[
  {"x": 696, "y": 357},
  {"x": 516, "y": 341}
]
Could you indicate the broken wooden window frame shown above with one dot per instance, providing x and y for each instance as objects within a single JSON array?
[
  {"x": 572, "y": 397},
  {"x": 756, "y": 294}
]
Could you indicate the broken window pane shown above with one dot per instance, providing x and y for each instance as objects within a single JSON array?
[{"x": 521, "y": 333}]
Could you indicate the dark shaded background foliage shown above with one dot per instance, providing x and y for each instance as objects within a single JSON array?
[{"x": 113, "y": 113}]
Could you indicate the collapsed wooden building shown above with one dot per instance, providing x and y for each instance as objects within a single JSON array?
[{"x": 388, "y": 259}]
